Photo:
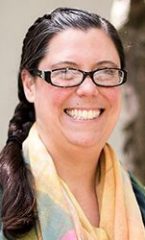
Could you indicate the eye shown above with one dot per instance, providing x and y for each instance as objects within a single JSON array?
[
  {"x": 110, "y": 71},
  {"x": 66, "y": 74}
]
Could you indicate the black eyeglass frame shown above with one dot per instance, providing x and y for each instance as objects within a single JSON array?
[{"x": 46, "y": 75}]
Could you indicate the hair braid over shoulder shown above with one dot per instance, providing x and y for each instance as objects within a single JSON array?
[{"x": 18, "y": 204}]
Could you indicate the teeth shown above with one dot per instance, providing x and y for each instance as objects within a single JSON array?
[{"x": 83, "y": 114}]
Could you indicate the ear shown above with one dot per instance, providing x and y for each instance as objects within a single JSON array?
[{"x": 28, "y": 85}]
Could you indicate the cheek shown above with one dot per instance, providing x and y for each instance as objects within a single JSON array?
[
  {"x": 51, "y": 97},
  {"x": 59, "y": 96},
  {"x": 113, "y": 96}
]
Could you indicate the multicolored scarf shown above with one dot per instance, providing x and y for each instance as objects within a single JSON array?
[{"x": 60, "y": 215}]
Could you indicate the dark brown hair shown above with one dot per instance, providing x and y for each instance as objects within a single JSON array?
[{"x": 19, "y": 203}]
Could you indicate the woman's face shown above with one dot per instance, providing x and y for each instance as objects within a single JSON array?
[{"x": 58, "y": 110}]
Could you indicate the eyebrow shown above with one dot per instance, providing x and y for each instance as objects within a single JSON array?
[
  {"x": 107, "y": 63},
  {"x": 69, "y": 63},
  {"x": 104, "y": 63}
]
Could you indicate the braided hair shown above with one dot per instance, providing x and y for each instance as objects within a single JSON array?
[{"x": 19, "y": 203}]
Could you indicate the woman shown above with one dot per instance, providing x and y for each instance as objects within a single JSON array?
[{"x": 64, "y": 181}]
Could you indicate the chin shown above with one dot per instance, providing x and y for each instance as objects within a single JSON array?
[{"x": 84, "y": 142}]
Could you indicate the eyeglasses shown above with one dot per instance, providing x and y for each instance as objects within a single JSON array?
[{"x": 70, "y": 77}]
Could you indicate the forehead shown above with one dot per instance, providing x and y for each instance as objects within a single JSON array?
[{"x": 90, "y": 46}]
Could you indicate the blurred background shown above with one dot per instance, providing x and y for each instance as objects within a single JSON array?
[{"x": 128, "y": 16}]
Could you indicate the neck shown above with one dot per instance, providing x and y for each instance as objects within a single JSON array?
[{"x": 77, "y": 166}]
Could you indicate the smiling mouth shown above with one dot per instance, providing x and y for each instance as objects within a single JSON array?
[{"x": 83, "y": 114}]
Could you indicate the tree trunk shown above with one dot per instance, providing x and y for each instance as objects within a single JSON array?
[{"x": 133, "y": 36}]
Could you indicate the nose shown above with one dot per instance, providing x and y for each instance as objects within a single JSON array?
[{"x": 87, "y": 88}]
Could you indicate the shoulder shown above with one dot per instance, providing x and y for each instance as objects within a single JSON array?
[{"x": 139, "y": 191}]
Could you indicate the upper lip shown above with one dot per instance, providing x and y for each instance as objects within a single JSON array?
[{"x": 85, "y": 108}]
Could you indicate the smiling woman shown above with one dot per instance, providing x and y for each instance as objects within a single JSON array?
[
  {"x": 64, "y": 181},
  {"x": 70, "y": 107}
]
